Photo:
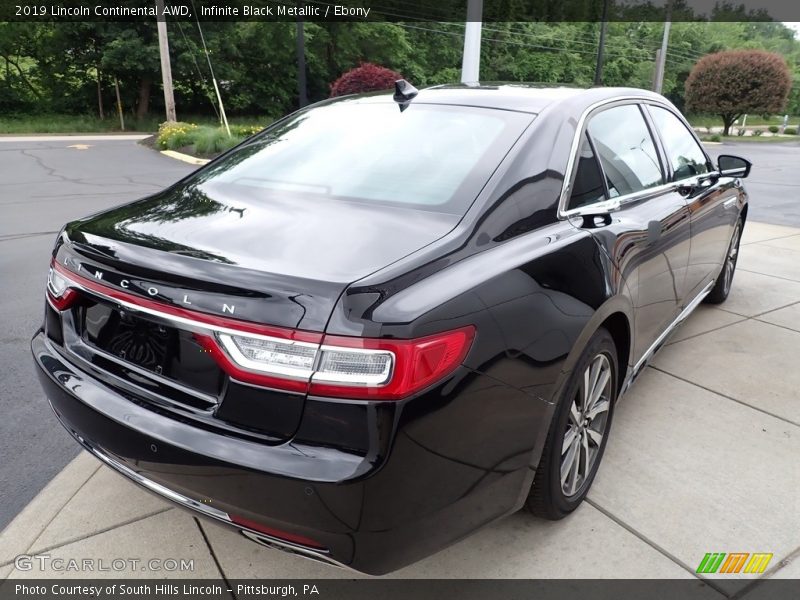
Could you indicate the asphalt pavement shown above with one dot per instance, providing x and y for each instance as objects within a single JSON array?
[
  {"x": 44, "y": 183},
  {"x": 774, "y": 182},
  {"x": 49, "y": 180}
]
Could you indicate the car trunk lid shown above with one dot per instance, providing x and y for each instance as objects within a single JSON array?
[{"x": 199, "y": 249}]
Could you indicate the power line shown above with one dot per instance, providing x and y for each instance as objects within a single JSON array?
[
  {"x": 515, "y": 43},
  {"x": 211, "y": 70},
  {"x": 197, "y": 66}
]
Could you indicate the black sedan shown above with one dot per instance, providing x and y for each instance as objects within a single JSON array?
[{"x": 387, "y": 320}]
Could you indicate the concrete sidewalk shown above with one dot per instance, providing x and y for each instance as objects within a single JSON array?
[{"x": 703, "y": 458}]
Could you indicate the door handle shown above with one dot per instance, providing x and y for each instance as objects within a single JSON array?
[{"x": 729, "y": 202}]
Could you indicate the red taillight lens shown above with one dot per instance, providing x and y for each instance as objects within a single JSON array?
[
  {"x": 277, "y": 534},
  {"x": 417, "y": 364}
]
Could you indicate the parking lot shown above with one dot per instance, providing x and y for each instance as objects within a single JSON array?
[{"x": 702, "y": 457}]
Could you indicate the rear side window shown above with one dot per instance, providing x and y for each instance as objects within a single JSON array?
[
  {"x": 587, "y": 187},
  {"x": 683, "y": 152},
  {"x": 626, "y": 150},
  {"x": 428, "y": 157}
]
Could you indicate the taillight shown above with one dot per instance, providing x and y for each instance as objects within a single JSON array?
[
  {"x": 294, "y": 360},
  {"x": 383, "y": 369},
  {"x": 61, "y": 296},
  {"x": 262, "y": 361},
  {"x": 343, "y": 367}
]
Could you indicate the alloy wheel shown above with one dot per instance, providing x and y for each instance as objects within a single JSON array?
[{"x": 586, "y": 426}]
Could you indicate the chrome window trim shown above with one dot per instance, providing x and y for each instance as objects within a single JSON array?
[
  {"x": 609, "y": 204},
  {"x": 692, "y": 133}
]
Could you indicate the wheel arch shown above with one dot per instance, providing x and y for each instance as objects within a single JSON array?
[
  {"x": 616, "y": 315},
  {"x": 618, "y": 325}
]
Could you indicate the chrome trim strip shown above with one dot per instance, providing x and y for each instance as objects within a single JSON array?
[
  {"x": 151, "y": 485},
  {"x": 678, "y": 320},
  {"x": 730, "y": 201},
  {"x": 183, "y": 320},
  {"x": 208, "y": 511},
  {"x": 236, "y": 355},
  {"x": 566, "y": 185},
  {"x": 213, "y": 401}
]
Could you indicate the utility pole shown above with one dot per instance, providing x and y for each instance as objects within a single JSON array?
[
  {"x": 471, "y": 60},
  {"x": 302, "y": 92},
  {"x": 601, "y": 45},
  {"x": 166, "y": 68},
  {"x": 661, "y": 55},
  {"x": 119, "y": 105}
]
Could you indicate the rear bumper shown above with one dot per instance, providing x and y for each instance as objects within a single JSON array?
[{"x": 373, "y": 513}]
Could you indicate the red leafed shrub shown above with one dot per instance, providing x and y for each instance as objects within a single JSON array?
[
  {"x": 365, "y": 78},
  {"x": 736, "y": 82}
]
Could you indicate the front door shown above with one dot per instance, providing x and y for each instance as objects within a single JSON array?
[{"x": 713, "y": 203}]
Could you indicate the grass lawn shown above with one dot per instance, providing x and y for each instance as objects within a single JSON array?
[{"x": 57, "y": 123}]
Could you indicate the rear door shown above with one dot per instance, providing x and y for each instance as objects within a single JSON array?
[
  {"x": 619, "y": 192},
  {"x": 713, "y": 207}
]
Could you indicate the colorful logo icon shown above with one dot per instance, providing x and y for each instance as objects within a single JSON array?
[{"x": 735, "y": 562}]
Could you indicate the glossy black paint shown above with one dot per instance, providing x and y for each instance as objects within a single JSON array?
[{"x": 382, "y": 484}]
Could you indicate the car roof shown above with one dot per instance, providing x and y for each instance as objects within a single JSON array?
[{"x": 524, "y": 97}]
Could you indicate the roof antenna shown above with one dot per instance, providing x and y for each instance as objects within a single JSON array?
[{"x": 404, "y": 93}]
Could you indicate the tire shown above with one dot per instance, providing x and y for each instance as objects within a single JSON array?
[
  {"x": 551, "y": 496},
  {"x": 722, "y": 286}
]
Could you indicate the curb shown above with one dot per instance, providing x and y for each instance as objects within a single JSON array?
[
  {"x": 25, "y": 528},
  {"x": 192, "y": 160},
  {"x": 73, "y": 137}
]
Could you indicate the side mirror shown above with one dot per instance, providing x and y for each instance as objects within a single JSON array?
[{"x": 733, "y": 166}]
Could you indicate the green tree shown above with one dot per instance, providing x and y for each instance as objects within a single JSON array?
[{"x": 736, "y": 82}]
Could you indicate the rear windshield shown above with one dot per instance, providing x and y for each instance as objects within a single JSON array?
[{"x": 432, "y": 157}]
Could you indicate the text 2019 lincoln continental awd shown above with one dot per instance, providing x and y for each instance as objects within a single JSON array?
[{"x": 387, "y": 320}]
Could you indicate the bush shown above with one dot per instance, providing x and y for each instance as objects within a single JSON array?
[
  {"x": 715, "y": 138},
  {"x": 367, "y": 77},
  {"x": 758, "y": 132},
  {"x": 172, "y": 136},
  {"x": 773, "y": 128},
  {"x": 214, "y": 140},
  {"x": 203, "y": 140},
  {"x": 790, "y": 131}
]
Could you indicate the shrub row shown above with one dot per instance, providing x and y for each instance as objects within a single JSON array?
[{"x": 202, "y": 140}]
